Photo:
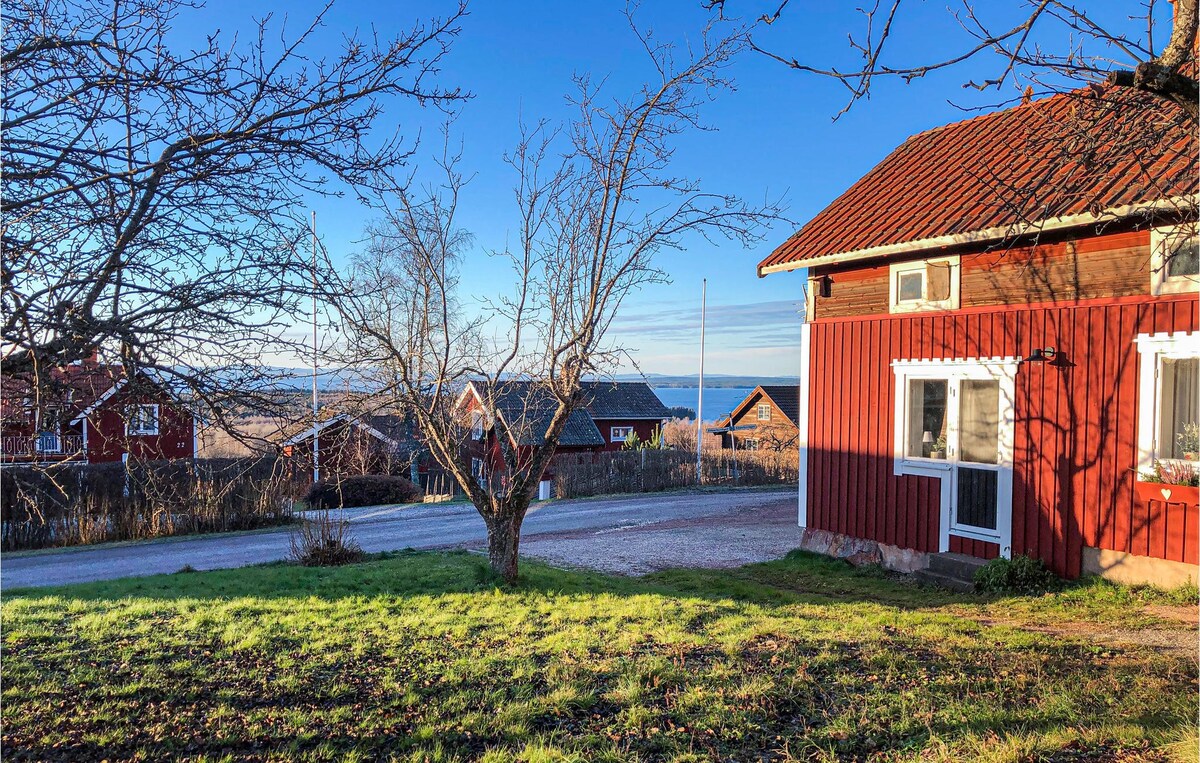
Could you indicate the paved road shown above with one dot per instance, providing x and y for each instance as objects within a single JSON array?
[{"x": 555, "y": 526}]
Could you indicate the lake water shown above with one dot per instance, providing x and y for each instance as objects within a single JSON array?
[{"x": 718, "y": 401}]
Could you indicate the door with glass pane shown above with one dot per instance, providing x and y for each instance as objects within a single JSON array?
[
  {"x": 956, "y": 429},
  {"x": 975, "y": 459}
]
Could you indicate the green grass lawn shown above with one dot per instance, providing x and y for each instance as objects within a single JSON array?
[{"x": 420, "y": 656}]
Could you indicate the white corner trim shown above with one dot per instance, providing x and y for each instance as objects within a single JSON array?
[
  {"x": 803, "y": 394},
  {"x": 1182, "y": 204},
  {"x": 1152, "y": 350}
]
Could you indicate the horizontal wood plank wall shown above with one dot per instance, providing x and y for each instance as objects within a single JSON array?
[
  {"x": 1099, "y": 267},
  {"x": 1074, "y": 440}
]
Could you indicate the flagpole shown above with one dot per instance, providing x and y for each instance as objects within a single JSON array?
[
  {"x": 700, "y": 396},
  {"x": 315, "y": 445}
]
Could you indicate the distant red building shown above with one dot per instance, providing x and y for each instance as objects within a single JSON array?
[
  {"x": 349, "y": 445},
  {"x": 91, "y": 412}
]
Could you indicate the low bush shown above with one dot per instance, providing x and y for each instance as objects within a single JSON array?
[
  {"x": 1021, "y": 575},
  {"x": 361, "y": 490},
  {"x": 323, "y": 541}
]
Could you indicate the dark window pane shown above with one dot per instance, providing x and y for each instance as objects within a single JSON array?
[
  {"x": 910, "y": 286},
  {"x": 1184, "y": 257},
  {"x": 976, "y": 505}
]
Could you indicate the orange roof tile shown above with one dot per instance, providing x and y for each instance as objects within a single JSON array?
[{"x": 1087, "y": 151}]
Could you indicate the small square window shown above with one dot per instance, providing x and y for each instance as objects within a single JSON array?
[
  {"x": 619, "y": 434},
  {"x": 143, "y": 420},
  {"x": 1183, "y": 257},
  {"x": 910, "y": 286},
  {"x": 1174, "y": 260},
  {"x": 764, "y": 412}
]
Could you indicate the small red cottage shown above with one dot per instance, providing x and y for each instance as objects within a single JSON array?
[
  {"x": 981, "y": 383},
  {"x": 347, "y": 444},
  {"x": 613, "y": 410},
  {"x": 91, "y": 412}
]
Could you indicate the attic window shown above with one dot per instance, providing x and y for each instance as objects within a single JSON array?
[
  {"x": 1175, "y": 260},
  {"x": 764, "y": 412},
  {"x": 924, "y": 285}
]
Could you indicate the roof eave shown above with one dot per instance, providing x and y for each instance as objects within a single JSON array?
[{"x": 990, "y": 235}]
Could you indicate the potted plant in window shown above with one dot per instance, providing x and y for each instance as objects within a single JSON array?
[
  {"x": 939, "y": 447},
  {"x": 1170, "y": 482},
  {"x": 1189, "y": 441}
]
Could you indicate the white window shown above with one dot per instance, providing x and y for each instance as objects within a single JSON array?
[
  {"x": 1169, "y": 399},
  {"x": 619, "y": 434},
  {"x": 924, "y": 285},
  {"x": 477, "y": 471},
  {"x": 143, "y": 420},
  {"x": 751, "y": 445},
  {"x": 764, "y": 412},
  {"x": 1174, "y": 259},
  {"x": 476, "y": 425},
  {"x": 954, "y": 421}
]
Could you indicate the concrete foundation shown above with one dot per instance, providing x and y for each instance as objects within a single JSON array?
[
  {"x": 1132, "y": 569},
  {"x": 860, "y": 551}
]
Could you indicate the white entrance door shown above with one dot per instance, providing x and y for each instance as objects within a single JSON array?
[{"x": 955, "y": 422}]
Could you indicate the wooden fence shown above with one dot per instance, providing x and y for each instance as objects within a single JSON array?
[{"x": 648, "y": 471}]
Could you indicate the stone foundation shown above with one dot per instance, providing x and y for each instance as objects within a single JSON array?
[
  {"x": 860, "y": 551},
  {"x": 1132, "y": 569}
]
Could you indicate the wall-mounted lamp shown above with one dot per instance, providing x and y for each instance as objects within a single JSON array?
[
  {"x": 825, "y": 287},
  {"x": 1041, "y": 355}
]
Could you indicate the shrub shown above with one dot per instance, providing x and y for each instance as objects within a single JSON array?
[
  {"x": 76, "y": 504},
  {"x": 361, "y": 490},
  {"x": 323, "y": 541},
  {"x": 1021, "y": 574}
]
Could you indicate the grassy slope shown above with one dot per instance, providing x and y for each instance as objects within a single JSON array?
[{"x": 420, "y": 657}]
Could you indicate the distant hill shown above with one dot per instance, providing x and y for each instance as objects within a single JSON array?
[{"x": 711, "y": 381}]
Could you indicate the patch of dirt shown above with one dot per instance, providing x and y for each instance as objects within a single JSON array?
[
  {"x": 1167, "y": 639},
  {"x": 1187, "y": 614}
]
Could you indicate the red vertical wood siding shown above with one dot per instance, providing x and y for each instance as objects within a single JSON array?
[{"x": 1075, "y": 438}]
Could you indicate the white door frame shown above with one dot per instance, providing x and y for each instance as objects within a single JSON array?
[{"x": 954, "y": 372}]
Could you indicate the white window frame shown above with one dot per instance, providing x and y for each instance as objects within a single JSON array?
[
  {"x": 1153, "y": 349},
  {"x": 759, "y": 411},
  {"x": 476, "y": 424},
  {"x": 129, "y": 430},
  {"x": 618, "y": 434},
  {"x": 895, "y": 270},
  {"x": 1161, "y": 239},
  {"x": 956, "y": 371},
  {"x": 477, "y": 471}
]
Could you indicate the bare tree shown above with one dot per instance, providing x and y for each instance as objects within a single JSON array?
[
  {"x": 1091, "y": 50},
  {"x": 154, "y": 196},
  {"x": 596, "y": 201}
]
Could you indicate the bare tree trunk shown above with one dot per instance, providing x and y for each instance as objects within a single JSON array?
[{"x": 504, "y": 538}]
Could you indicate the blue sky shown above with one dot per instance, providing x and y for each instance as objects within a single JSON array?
[{"x": 774, "y": 135}]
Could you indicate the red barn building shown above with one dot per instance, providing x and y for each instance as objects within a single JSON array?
[
  {"x": 91, "y": 412},
  {"x": 976, "y": 383}
]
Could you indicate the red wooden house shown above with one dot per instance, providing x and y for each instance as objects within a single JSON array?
[
  {"x": 347, "y": 444},
  {"x": 980, "y": 381},
  {"x": 764, "y": 420},
  {"x": 91, "y": 412},
  {"x": 613, "y": 410}
]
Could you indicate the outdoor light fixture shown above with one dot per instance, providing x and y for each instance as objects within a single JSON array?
[{"x": 1041, "y": 355}]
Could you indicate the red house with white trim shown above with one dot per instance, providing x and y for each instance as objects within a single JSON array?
[
  {"x": 611, "y": 412},
  {"x": 91, "y": 412},
  {"x": 977, "y": 381}
]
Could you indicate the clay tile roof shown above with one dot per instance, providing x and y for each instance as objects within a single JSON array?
[{"x": 1088, "y": 151}]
